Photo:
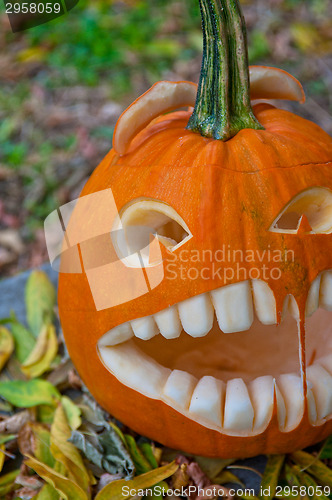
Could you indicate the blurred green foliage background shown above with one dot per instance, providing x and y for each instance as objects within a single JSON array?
[{"x": 63, "y": 85}]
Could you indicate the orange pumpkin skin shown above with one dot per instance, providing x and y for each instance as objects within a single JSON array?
[{"x": 214, "y": 186}]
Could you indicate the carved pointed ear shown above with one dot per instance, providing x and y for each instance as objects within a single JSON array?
[{"x": 309, "y": 212}]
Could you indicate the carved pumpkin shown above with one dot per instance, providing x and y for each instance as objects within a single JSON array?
[{"x": 201, "y": 317}]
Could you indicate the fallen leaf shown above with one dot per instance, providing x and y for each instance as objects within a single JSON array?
[
  {"x": 34, "y": 439},
  {"x": 4, "y": 438},
  {"x": 141, "y": 463},
  {"x": 227, "y": 477},
  {"x": 40, "y": 300},
  {"x": 114, "y": 490},
  {"x": 66, "y": 453},
  {"x": 271, "y": 475},
  {"x": 292, "y": 478},
  {"x": 7, "y": 482},
  {"x": 6, "y": 346},
  {"x": 305, "y": 479},
  {"x": 45, "y": 414},
  {"x": 14, "y": 423},
  {"x": 326, "y": 451},
  {"x": 317, "y": 468},
  {"x": 43, "y": 353},
  {"x": 31, "y": 54},
  {"x": 59, "y": 376},
  {"x": 48, "y": 492},
  {"x": 66, "y": 487},
  {"x": 23, "y": 339},
  {"x": 72, "y": 411},
  {"x": 2, "y": 455},
  {"x": 105, "y": 450},
  {"x": 30, "y": 393}
]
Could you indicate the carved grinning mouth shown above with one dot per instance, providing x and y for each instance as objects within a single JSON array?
[{"x": 184, "y": 356}]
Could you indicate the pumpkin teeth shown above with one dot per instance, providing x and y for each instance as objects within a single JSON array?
[
  {"x": 261, "y": 391},
  {"x": 144, "y": 328},
  {"x": 313, "y": 297},
  {"x": 179, "y": 388},
  {"x": 325, "y": 299},
  {"x": 234, "y": 408},
  {"x": 239, "y": 412},
  {"x": 291, "y": 388},
  {"x": 290, "y": 307},
  {"x": 168, "y": 322},
  {"x": 242, "y": 405},
  {"x": 208, "y": 400},
  {"x": 264, "y": 302},
  {"x": 196, "y": 315},
  {"x": 321, "y": 382},
  {"x": 234, "y": 307}
]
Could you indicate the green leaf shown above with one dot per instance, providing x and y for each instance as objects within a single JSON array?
[
  {"x": 305, "y": 479},
  {"x": 141, "y": 463},
  {"x": 40, "y": 300},
  {"x": 30, "y": 393},
  {"x": 47, "y": 492},
  {"x": 326, "y": 451},
  {"x": 291, "y": 477},
  {"x": 115, "y": 491},
  {"x": 4, "y": 321},
  {"x": 73, "y": 412},
  {"x": 147, "y": 451},
  {"x": 7, "y": 482},
  {"x": 271, "y": 475},
  {"x": 66, "y": 487},
  {"x": 317, "y": 468},
  {"x": 6, "y": 346},
  {"x": 4, "y": 438},
  {"x": 227, "y": 477},
  {"x": 45, "y": 414},
  {"x": 23, "y": 339},
  {"x": 42, "y": 444},
  {"x": 212, "y": 467},
  {"x": 66, "y": 453},
  {"x": 43, "y": 353}
]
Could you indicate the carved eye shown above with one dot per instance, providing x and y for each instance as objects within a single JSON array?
[
  {"x": 139, "y": 223},
  {"x": 309, "y": 211}
]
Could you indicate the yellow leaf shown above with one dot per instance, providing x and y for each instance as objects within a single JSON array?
[
  {"x": 32, "y": 54},
  {"x": 66, "y": 453},
  {"x": 2, "y": 456},
  {"x": 72, "y": 411},
  {"x": 40, "y": 298},
  {"x": 314, "y": 466},
  {"x": 42, "y": 355},
  {"x": 6, "y": 346},
  {"x": 65, "y": 486},
  {"x": 306, "y": 36},
  {"x": 115, "y": 489}
]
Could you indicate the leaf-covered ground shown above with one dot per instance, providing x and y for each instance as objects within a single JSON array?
[
  {"x": 63, "y": 85},
  {"x": 56, "y": 442}
]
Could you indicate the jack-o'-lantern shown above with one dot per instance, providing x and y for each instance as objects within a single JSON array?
[{"x": 201, "y": 316}]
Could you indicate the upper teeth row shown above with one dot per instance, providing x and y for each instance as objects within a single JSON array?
[{"x": 234, "y": 306}]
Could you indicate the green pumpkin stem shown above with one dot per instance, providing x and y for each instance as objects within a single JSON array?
[{"x": 223, "y": 105}]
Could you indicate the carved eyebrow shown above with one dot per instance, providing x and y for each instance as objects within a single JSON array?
[
  {"x": 142, "y": 218},
  {"x": 309, "y": 211}
]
